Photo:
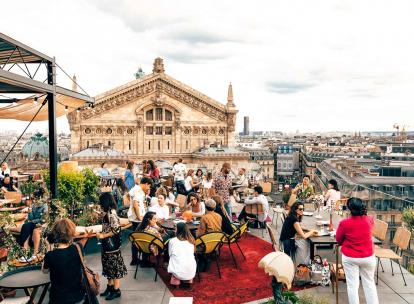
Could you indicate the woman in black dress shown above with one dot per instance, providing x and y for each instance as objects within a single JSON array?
[{"x": 113, "y": 266}]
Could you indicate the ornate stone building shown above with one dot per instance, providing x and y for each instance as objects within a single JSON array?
[{"x": 154, "y": 117}]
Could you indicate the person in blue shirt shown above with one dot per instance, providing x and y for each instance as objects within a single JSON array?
[
  {"x": 31, "y": 230},
  {"x": 103, "y": 171},
  {"x": 129, "y": 176}
]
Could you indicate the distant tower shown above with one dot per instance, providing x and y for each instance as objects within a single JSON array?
[
  {"x": 246, "y": 129},
  {"x": 139, "y": 74},
  {"x": 74, "y": 83}
]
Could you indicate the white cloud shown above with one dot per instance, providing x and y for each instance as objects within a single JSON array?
[{"x": 307, "y": 65}]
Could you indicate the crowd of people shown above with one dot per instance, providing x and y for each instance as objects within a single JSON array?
[
  {"x": 213, "y": 200},
  {"x": 141, "y": 196}
]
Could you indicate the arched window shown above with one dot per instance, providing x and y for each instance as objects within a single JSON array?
[
  {"x": 168, "y": 115},
  {"x": 159, "y": 145},
  {"x": 150, "y": 115},
  {"x": 158, "y": 114}
]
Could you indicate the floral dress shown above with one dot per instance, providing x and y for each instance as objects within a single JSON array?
[
  {"x": 305, "y": 192},
  {"x": 113, "y": 266}
]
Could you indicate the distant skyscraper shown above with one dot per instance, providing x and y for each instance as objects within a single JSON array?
[{"x": 246, "y": 129}]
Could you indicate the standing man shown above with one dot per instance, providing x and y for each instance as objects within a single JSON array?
[
  {"x": 222, "y": 185},
  {"x": 179, "y": 171},
  {"x": 137, "y": 209}
]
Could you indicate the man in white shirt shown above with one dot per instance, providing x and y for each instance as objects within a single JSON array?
[
  {"x": 4, "y": 170},
  {"x": 179, "y": 171},
  {"x": 258, "y": 198},
  {"x": 137, "y": 209}
]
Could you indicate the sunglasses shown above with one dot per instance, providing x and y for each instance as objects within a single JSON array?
[{"x": 300, "y": 209}]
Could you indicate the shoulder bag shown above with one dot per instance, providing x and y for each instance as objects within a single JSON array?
[{"x": 90, "y": 278}]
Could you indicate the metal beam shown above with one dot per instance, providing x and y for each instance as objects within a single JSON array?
[
  {"x": 51, "y": 104},
  {"x": 74, "y": 94},
  {"x": 25, "y": 47},
  {"x": 26, "y": 83}
]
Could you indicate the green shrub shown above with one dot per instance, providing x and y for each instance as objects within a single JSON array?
[
  {"x": 408, "y": 218},
  {"x": 91, "y": 185},
  {"x": 27, "y": 188}
]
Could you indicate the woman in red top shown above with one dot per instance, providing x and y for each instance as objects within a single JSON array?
[{"x": 355, "y": 236}]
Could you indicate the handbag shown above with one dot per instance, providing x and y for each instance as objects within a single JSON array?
[
  {"x": 90, "y": 279},
  {"x": 302, "y": 275},
  {"x": 112, "y": 243},
  {"x": 320, "y": 273}
]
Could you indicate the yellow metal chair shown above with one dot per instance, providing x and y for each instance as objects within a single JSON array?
[
  {"x": 209, "y": 244},
  {"x": 234, "y": 238},
  {"x": 401, "y": 241},
  {"x": 253, "y": 211},
  {"x": 146, "y": 242}
]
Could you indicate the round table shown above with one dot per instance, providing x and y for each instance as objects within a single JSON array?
[
  {"x": 170, "y": 225},
  {"x": 26, "y": 278}
]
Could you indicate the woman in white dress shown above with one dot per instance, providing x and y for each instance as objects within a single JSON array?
[
  {"x": 333, "y": 194},
  {"x": 182, "y": 264}
]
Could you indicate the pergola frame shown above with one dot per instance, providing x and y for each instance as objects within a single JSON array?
[{"x": 15, "y": 53}]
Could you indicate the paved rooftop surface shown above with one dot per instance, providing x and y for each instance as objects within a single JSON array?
[{"x": 144, "y": 290}]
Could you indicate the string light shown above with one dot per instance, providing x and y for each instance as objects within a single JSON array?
[
  {"x": 35, "y": 101},
  {"x": 14, "y": 101},
  {"x": 66, "y": 108},
  {"x": 77, "y": 110}
]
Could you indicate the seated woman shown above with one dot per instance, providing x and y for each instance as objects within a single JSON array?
[
  {"x": 7, "y": 184},
  {"x": 333, "y": 194},
  {"x": 226, "y": 226},
  {"x": 304, "y": 191},
  {"x": 236, "y": 205},
  {"x": 296, "y": 248},
  {"x": 190, "y": 183},
  {"x": 31, "y": 230},
  {"x": 182, "y": 264},
  {"x": 196, "y": 206},
  {"x": 160, "y": 208}
]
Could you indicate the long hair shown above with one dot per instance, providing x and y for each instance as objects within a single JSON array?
[
  {"x": 145, "y": 221},
  {"x": 130, "y": 165},
  {"x": 193, "y": 194},
  {"x": 152, "y": 164},
  {"x": 121, "y": 185},
  {"x": 357, "y": 207},
  {"x": 199, "y": 170},
  {"x": 209, "y": 176},
  {"x": 184, "y": 234},
  {"x": 334, "y": 183},
  {"x": 293, "y": 210}
]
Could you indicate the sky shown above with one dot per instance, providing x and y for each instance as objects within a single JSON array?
[{"x": 338, "y": 65}]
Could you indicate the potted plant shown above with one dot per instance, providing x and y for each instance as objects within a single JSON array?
[
  {"x": 91, "y": 186},
  {"x": 27, "y": 189}
]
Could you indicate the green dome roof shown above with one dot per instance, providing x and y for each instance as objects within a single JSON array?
[{"x": 37, "y": 144}]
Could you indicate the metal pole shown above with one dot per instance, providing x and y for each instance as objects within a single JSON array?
[{"x": 51, "y": 103}]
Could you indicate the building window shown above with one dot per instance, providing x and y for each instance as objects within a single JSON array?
[
  {"x": 168, "y": 115},
  {"x": 87, "y": 144},
  {"x": 150, "y": 130},
  {"x": 379, "y": 217},
  {"x": 149, "y": 145},
  {"x": 392, "y": 219},
  {"x": 158, "y": 114},
  {"x": 109, "y": 143},
  {"x": 392, "y": 234},
  {"x": 109, "y": 131},
  {"x": 168, "y": 130},
  {"x": 158, "y": 130},
  {"x": 186, "y": 144},
  {"x": 159, "y": 145},
  {"x": 150, "y": 115},
  {"x": 129, "y": 145},
  {"x": 168, "y": 145}
]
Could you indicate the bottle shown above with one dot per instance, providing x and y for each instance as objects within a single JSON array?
[{"x": 331, "y": 228}]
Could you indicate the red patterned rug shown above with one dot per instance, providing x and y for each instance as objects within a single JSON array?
[{"x": 248, "y": 283}]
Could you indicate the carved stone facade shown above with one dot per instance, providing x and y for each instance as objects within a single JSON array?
[{"x": 154, "y": 117}]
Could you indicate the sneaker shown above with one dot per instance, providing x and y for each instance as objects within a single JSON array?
[
  {"x": 23, "y": 260},
  {"x": 32, "y": 259}
]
